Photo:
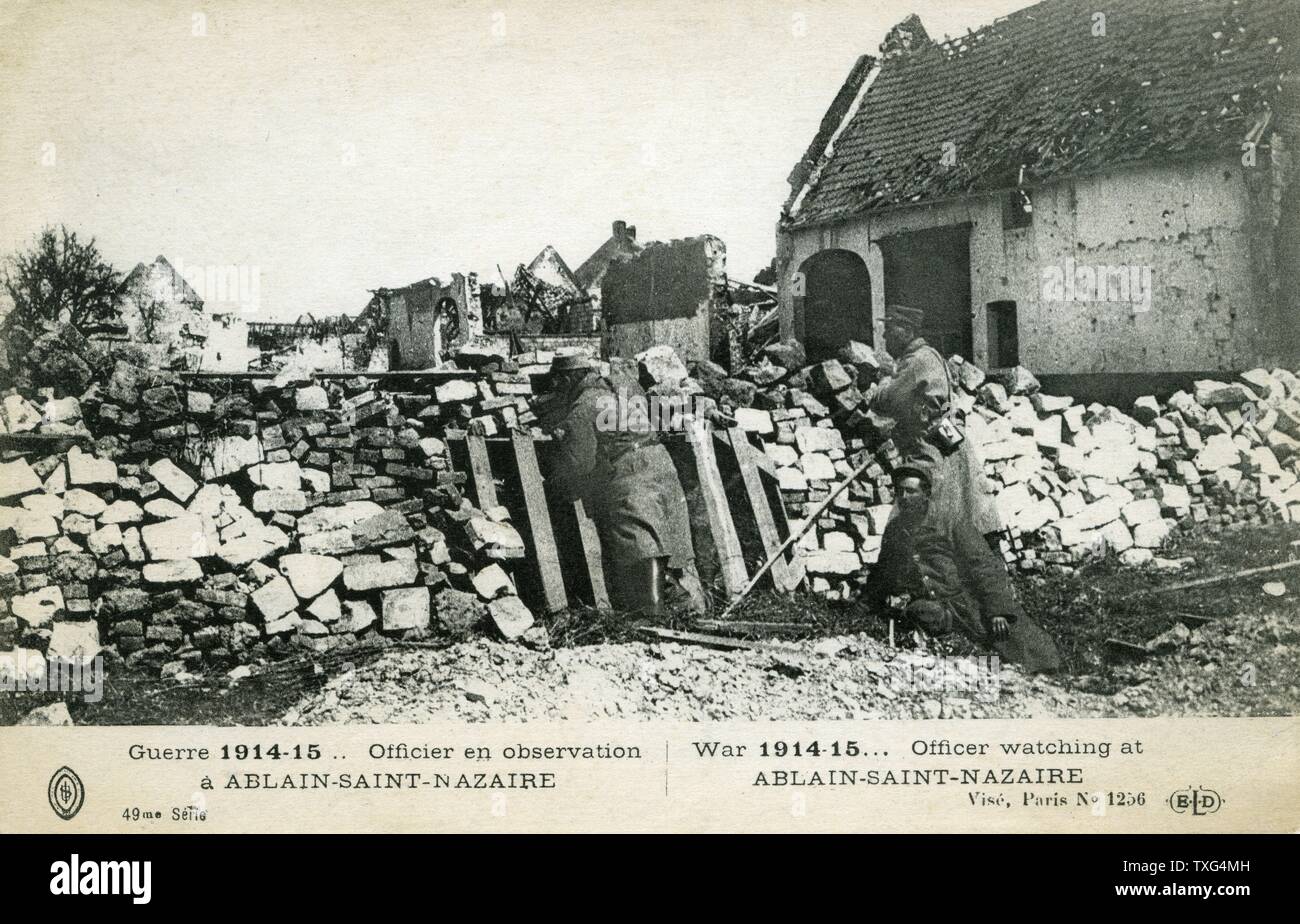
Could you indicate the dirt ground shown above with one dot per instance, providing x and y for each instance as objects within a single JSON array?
[{"x": 1227, "y": 649}]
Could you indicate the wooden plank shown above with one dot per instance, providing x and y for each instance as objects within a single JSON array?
[
  {"x": 1209, "y": 581},
  {"x": 751, "y": 627},
  {"x": 546, "y": 557},
  {"x": 759, "y": 508},
  {"x": 731, "y": 559},
  {"x": 590, "y": 540},
  {"x": 722, "y": 642},
  {"x": 485, "y": 490}
]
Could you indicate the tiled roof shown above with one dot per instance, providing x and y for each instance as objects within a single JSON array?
[{"x": 1169, "y": 79}]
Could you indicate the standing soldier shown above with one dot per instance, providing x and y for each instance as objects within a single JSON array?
[
  {"x": 628, "y": 484},
  {"x": 918, "y": 397}
]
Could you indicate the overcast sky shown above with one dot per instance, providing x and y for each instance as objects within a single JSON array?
[{"x": 338, "y": 146}]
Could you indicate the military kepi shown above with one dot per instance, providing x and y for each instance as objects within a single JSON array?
[{"x": 904, "y": 315}]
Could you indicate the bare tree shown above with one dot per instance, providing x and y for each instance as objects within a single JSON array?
[{"x": 61, "y": 277}]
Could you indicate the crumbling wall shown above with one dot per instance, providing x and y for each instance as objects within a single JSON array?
[
  {"x": 179, "y": 524},
  {"x": 427, "y": 320},
  {"x": 667, "y": 295},
  {"x": 1192, "y": 228}
]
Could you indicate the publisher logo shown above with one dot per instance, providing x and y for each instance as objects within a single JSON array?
[
  {"x": 67, "y": 794},
  {"x": 1195, "y": 800}
]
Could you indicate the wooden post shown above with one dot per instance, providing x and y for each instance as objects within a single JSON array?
[
  {"x": 731, "y": 559},
  {"x": 485, "y": 490},
  {"x": 546, "y": 556},
  {"x": 783, "y": 577},
  {"x": 590, "y": 540}
]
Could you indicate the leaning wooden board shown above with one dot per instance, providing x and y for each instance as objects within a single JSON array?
[
  {"x": 731, "y": 559},
  {"x": 755, "y": 501},
  {"x": 546, "y": 557}
]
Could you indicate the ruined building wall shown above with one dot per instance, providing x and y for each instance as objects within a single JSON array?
[
  {"x": 418, "y": 335},
  {"x": 1199, "y": 229},
  {"x": 667, "y": 295}
]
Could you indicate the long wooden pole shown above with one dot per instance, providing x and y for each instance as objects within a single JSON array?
[{"x": 795, "y": 537}]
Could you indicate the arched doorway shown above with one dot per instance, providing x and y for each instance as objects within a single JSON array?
[{"x": 836, "y": 302}]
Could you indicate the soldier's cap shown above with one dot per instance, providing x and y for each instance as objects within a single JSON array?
[
  {"x": 904, "y": 315},
  {"x": 913, "y": 471},
  {"x": 571, "y": 363}
]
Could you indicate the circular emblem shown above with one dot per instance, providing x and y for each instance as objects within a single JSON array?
[{"x": 67, "y": 794}]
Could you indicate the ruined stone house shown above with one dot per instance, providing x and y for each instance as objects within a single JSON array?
[
  {"x": 1083, "y": 189},
  {"x": 163, "y": 312},
  {"x": 424, "y": 321}
]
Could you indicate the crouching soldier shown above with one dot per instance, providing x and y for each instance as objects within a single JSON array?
[
  {"x": 628, "y": 485},
  {"x": 940, "y": 572}
]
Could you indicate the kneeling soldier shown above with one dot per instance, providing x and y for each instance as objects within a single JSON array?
[{"x": 949, "y": 579}]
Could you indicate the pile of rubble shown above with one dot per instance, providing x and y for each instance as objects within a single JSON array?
[
  {"x": 1071, "y": 481},
  {"x": 185, "y": 523},
  {"x": 182, "y": 523}
]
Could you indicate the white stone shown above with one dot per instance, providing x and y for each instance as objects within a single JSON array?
[
  {"x": 817, "y": 466},
  {"x": 817, "y": 439},
  {"x": 84, "y": 468},
  {"x": 17, "y": 479},
  {"x": 173, "y": 480},
  {"x": 326, "y": 608},
  {"x": 275, "y": 599},
  {"x": 1137, "y": 512},
  {"x": 754, "y": 420},
  {"x": 19, "y": 415},
  {"x": 511, "y": 617},
  {"x": 74, "y": 642},
  {"x": 324, "y": 519},
  {"x": 791, "y": 479},
  {"x": 279, "y": 501},
  {"x": 1219, "y": 452},
  {"x": 310, "y": 575},
  {"x": 38, "y": 607},
  {"x": 86, "y": 503},
  {"x": 374, "y": 575},
  {"x": 162, "y": 508},
  {"x": 1152, "y": 534},
  {"x": 122, "y": 511},
  {"x": 219, "y": 456},
  {"x": 277, "y": 476},
  {"x": 188, "y": 536},
  {"x": 49, "y": 504},
  {"x": 105, "y": 539},
  {"x": 781, "y": 455},
  {"x": 493, "y": 582},
  {"x": 28, "y": 525},
  {"x": 174, "y": 571},
  {"x": 405, "y": 608},
  {"x": 832, "y": 562},
  {"x": 312, "y": 398},
  {"x": 454, "y": 391},
  {"x": 317, "y": 481}
]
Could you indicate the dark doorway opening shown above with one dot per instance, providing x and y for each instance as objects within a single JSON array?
[
  {"x": 1004, "y": 335},
  {"x": 930, "y": 270},
  {"x": 836, "y": 302}
]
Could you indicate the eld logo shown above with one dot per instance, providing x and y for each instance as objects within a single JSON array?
[
  {"x": 1196, "y": 800},
  {"x": 67, "y": 793},
  {"x": 106, "y": 877}
]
